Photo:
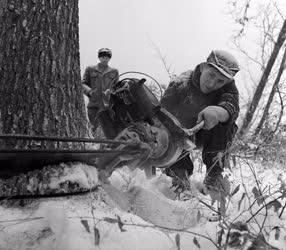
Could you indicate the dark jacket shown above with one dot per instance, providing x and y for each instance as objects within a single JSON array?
[
  {"x": 184, "y": 99},
  {"x": 98, "y": 81}
]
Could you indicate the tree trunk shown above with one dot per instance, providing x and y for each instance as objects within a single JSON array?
[
  {"x": 261, "y": 85},
  {"x": 272, "y": 93},
  {"x": 40, "y": 85}
]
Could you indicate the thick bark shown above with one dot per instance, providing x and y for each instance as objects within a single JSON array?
[
  {"x": 272, "y": 93},
  {"x": 40, "y": 85},
  {"x": 262, "y": 83}
]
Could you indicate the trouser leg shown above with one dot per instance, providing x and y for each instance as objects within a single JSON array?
[
  {"x": 108, "y": 124},
  {"x": 216, "y": 143},
  {"x": 92, "y": 113}
]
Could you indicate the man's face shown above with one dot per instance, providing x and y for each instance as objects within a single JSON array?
[
  {"x": 211, "y": 79},
  {"x": 104, "y": 59}
]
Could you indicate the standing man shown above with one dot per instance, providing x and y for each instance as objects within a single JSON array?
[
  {"x": 209, "y": 94},
  {"x": 97, "y": 81}
]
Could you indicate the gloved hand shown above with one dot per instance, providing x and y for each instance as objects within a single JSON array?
[{"x": 212, "y": 115}]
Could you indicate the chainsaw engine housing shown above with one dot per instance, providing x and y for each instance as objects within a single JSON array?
[{"x": 135, "y": 114}]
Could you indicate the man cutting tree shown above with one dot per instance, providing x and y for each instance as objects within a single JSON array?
[{"x": 208, "y": 93}]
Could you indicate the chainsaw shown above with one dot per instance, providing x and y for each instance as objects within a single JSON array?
[
  {"x": 136, "y": 116},
  {"x": 138, "y": 133}
]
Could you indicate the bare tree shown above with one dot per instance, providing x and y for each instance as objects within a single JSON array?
[
  {"x": 272, "y": 93},
  {"x": 40, "y": 68},
  {"x": 240, "y": 14},
  {"x": 262, "y": 83},
  {"x": 254, "y": 17}
]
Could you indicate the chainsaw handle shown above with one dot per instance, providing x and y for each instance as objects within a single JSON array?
[{"x": 195, "y": 129}]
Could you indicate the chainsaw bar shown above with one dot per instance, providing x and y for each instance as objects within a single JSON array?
[{"x": 14, "y": 161}]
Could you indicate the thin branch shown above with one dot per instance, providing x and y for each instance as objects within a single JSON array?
[
  {"x": 282, "y": 211},
  {"x": 162, "y": 58},
  {"x": 278, "y": 11},
  {"x": 236, "y": 43},
  {"x": 265, "y": 206},
  {"x": 246, "y": 192},
  {"x": 172, "y": 229},
  {"x": 281, "y": 111}
]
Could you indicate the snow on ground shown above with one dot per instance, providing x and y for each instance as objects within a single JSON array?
[
  {"x": 153, "y": 201},
  {"x": 140, "y": 216}
]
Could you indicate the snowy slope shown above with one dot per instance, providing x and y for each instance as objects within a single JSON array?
[{"x": 141, "y": 216}]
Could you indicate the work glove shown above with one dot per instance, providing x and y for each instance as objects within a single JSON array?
[{"x": 212, "y": 115}]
